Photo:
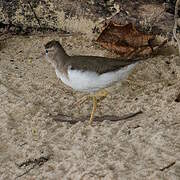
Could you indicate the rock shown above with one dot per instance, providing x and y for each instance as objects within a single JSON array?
[
  {"x": 80, "y": 16},
  {"x": 68, "y": 15}
]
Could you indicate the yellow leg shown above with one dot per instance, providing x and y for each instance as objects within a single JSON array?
[
  {"x": 93, "y": 110},
  {"x": 98, "y": 96}
]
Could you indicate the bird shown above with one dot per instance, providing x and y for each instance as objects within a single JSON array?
[{"x": 90, "y": 74}]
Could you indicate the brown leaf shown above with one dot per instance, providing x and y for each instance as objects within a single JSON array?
[{"x": 126, "y": 40}]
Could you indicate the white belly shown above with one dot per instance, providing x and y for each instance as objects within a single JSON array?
[{"x": 90, "y": 81}]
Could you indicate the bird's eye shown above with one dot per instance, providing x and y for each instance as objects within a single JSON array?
[{"x": 46, "y": 51}]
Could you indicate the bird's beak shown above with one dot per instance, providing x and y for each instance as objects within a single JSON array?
[{"x": 41, "y": 56}]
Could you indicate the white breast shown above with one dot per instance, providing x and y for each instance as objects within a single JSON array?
[{"x": 90, "y": 81}]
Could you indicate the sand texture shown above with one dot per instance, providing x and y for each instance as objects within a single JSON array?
[{"x": 35, "y": 146}]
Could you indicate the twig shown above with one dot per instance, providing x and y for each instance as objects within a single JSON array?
[
  {"x": 34, "y": 14},
  {"x": 72, "y": 120},
  {"x": 175, "y": 24},
  {"x": 40, "y": 161},
  {"x": 34, "y": 162},
  {"x": 168, "y": 166}
]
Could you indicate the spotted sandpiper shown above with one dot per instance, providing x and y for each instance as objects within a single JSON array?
[{"x": 87, "y": 73}]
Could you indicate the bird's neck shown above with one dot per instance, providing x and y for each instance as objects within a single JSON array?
[
  {"x": 61, "y": 60},
  {"x": 61, "y": 56}
]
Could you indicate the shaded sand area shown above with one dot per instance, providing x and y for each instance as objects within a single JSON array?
[{"x": 33, "y": 145}]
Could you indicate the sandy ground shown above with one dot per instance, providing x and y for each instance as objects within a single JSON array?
[{"x": 35, "y": 146}]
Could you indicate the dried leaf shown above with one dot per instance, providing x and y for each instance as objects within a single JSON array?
[{"x": 126, "y": 40}]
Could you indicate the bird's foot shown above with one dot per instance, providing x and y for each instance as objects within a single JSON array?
[
  {"x": 81, "y": 101},
  {"x": 100, "y": 95}
]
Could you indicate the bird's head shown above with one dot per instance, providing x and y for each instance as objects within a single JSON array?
[{"x": 53, "y": 49}]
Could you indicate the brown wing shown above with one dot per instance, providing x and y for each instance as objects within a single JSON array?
[{"x": 99, "y": 65}]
